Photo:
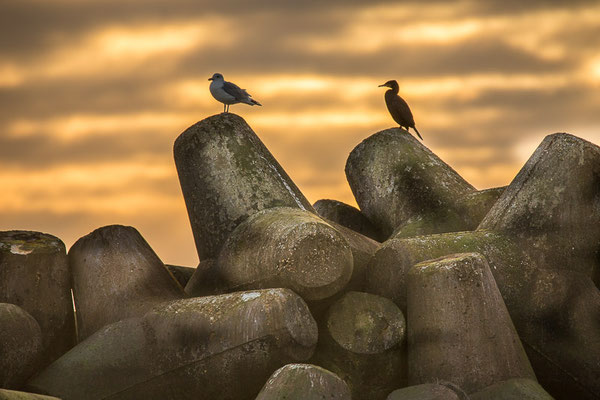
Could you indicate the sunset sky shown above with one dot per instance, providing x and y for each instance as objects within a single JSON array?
[{"x": 93, "y": 94}]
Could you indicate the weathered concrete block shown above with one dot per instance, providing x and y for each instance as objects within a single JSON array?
[
  {"x": 206, "y": 280},
  {"x": 287, "y": 247},
  {"x": 14, "y": 395},
  {"x": 20, "y": 345},
  {"x": 552, "y": 205},
  {"x": 304, "y": 382},
  {"x": 217, "y": 347},
  {"x": 227, "y": 174},
  {"x": 117, "y": 275},
  {"x": 562, "y": 333},
  {"x": 35, "y": 275},
  {"x": 429, "y": 391},
  {"x": 564, "y": 362},
  {"x": 362, "y": 342},
  {"x": 518, "y": 388},
  {"x": 347, "y": 216},
  {"x": 477, "y": 203},
  {"x": 363, "y": 249},
  {"x": 459, "y": 329},
  {"x": 511, "y": 266},
  {"x": 396, "y": 181},
  {"x": 182, "y": 274}
]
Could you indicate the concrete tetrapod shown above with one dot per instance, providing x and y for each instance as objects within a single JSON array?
[
  {"x": 518, "y": 388},
  {"x": 550, "y": 309},
  {"x": 20, "y": 345},
  {"x": 117, "y": 275},
  {"x": 227, "y": 174},
  {"x": 15, "y": 395},
  {"x": 459, "y": 329},
  {"x": 562, "y": 333},
  {"x": 217, "y": 347},
  {"x": 396, "y": 180},
  {"x": 552, "y": 205},
  {"x": 347, "y": 216},
  {"x": 363, "y": 249},
  {"x": 477, "y": 203},
  {"x": 304, "y": 382},
  {"x": 511, "y": 266},
  {"x": 286, "y": 247},
  {"x": 206, "y": 280},
  {"x": 35, "y": 275},
  {"x": 428, "y": 391},
  {"x": 551, "y": 208},
  {"x": 362, "y": 341},
  {"x": 182, "y": 274}
]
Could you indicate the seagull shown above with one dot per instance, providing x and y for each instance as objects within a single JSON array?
[
  {"x": 398, "y": 108},
  {"x": 229, "y": 93}
]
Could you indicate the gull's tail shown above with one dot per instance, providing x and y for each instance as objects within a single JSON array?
[
  {"x": 250, "y": 101},
  {"x": 418, "y": 134}
]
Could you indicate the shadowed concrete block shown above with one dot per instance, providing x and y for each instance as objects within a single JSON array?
[
  {"x": 396, "y": 181},
  {"x": 227, "y": 174},
  {"x": 361, "y": 341},
  {"x": 459, "y": 329},
  {"x": 429, "y": 391},
  {"x": 14, "y": 395},
  {"x": 347, "y": 216},
  {"x": 522, "y": 389},
  {"x": 287, "y": 247},
  {"x": 35, "y": 275},
  {"x": 182, "y": 274},
  {"x": 510, "y": 265},
  {"x": 216, "y": 347},
  {"x": 20, "y": 345},
  {"x": 552, "y": 205},
  {"x": 562, "y": 334},
  {"x": 117, "y": 275},
  {"x": 206, "y": 280},
  {"x": 304, "y": 382},
  {"x": 562, "y": 354},
  {"x": 363, "y": 249},
  {"x": 476, "y": 203}
]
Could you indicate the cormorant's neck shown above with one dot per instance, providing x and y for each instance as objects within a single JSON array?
[{"x": 394, "y": 89}]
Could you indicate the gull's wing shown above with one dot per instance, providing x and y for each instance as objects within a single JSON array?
[{"x": 235, "y": 91}]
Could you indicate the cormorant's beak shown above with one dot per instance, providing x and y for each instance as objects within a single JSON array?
[
  {"x": 384, "y": 85},
  {"x": 210, "y": 79}
]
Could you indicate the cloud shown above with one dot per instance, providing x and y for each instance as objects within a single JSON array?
[{"x": 93, "y": 94}]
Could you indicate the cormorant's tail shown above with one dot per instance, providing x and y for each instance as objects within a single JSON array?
[{"x": 418, "y": 134}]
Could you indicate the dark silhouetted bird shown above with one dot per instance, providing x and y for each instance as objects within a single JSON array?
[
  {"x": 398, "y": 108},
  {"x": 229, "y": 93}
]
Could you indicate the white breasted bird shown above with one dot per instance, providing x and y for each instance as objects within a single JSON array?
[
  {"x": 398, "y": 108},
  {"x": 229, "y": 93}
]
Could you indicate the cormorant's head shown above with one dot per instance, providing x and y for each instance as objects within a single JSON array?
[
  {"x": 216, "y": 77},
  {"x": 391, "y": 84}
]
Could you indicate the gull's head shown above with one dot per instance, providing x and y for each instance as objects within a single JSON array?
[
  {"x": 216, "y": 77},
  {"x": 391, "y": 84}
]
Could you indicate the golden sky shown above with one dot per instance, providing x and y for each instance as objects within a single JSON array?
[{"x": 93, "y": 94}]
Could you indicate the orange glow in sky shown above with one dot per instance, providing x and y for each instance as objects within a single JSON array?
[{"x": 93, "y": 95}]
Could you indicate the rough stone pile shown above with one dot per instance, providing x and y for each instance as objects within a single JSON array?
[{"x": 470, "y": 294}]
